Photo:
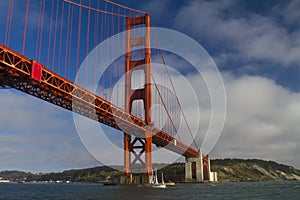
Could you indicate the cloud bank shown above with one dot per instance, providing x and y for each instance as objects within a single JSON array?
[
  {"x": 250, "y": 36},
  {"x": 37, "y": 136}
]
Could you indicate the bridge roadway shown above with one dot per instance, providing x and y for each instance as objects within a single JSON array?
[{"x": 15, "y": 72}]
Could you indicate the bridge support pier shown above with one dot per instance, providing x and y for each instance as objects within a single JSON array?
[{"x": 197, "y": 169}]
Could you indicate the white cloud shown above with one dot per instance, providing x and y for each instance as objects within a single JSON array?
[
  {"x": 262, "y": 117},
  {"x": 289, "y": 12},
  {"x": 262, "y": 121},
  {"x": 37, "y": 136},
  {"x": 245, "y": 35}
]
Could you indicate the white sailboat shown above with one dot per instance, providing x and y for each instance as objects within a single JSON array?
[{"x": 156, "y": 184}]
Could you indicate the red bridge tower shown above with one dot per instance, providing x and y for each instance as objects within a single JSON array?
[{"x": 142, "y": 145}]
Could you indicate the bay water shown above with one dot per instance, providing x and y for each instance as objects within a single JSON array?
[{"x": 236, "y": 190}]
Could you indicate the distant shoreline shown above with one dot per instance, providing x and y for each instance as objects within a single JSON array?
[{"x": 229, "y": 170}]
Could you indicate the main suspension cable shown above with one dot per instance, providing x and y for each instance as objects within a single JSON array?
[
  {"x": 127, "y": 8},
  {"x": 94, "y": 9}
]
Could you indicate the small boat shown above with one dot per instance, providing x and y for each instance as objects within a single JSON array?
[
  {"x": 170, "y": 183},
  {"x": 159, "y": 186}
]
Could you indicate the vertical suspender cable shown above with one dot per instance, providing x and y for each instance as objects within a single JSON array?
[
  {"x": 100, "y": 11},
  {"x": 50, "y": 35},
  {"x": 101, "y": 53},
  {"x": 67, "y": 40},
  {"x": 104, "y": 54},
  {"x": 55, "y": 35},
  {"x": 60, "y": 37},
  {"x": 96, "y": 40},
  {"x": 71, "y": 40},
  {"x": 177, "y": 99},
  {"x": 78, "y": 38},
  {"x": 124, "y": 7},
  {"x": 107, "y": 55},
  {"x": 113, "y": 64},
  {"x": 8, "y": 25},
  {"x": 162, "y": 111},
  {"x": 25, "y": 27},
  {"x": 38, "y": 30},
  {"x": 118, "y": 64},
  {"x": 7, "y": 22},
  {"x": 41, "y": 31},
  {"x": 87, "y": 43}
]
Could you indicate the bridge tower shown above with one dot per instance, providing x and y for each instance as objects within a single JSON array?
[{"x": 135, "y": 147}]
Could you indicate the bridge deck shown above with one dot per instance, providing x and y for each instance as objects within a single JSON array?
[{"x": 15, "y": 72}]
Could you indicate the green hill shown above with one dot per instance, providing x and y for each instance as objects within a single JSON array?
[
  {"x": 253, "y": 170},
  {"x": 228, "y": 170}
]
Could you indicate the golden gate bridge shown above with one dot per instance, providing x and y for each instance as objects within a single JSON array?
[{"x": 42, "y": 45}]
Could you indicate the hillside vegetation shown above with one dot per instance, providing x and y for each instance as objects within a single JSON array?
[
  {"x": 228, "y": 170},
  {"x": 253, "y": 170}
]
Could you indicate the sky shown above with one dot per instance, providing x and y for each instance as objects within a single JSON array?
[{"x": 256, "y": 47}]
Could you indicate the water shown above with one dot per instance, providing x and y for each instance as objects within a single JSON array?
[{"x": 245, "y": 190}]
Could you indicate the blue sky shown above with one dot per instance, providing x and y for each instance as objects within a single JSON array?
[{"x": 256, "y": 46}]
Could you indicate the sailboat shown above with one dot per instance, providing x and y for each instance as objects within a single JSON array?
[{"x": 156, "y": 184}]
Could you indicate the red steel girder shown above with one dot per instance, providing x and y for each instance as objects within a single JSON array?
[{"x": 15, "y": 72}]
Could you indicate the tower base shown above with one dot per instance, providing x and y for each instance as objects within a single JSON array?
[
  {"x": 194, "y": 169},
  {"x": 136, "y": 179},
  {"x": 197, "y": 169}
]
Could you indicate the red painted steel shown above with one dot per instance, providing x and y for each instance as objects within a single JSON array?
[
  {"x": 36, "y": 71},
  {"x": 32, "y": 77},
  {"x": 144, "y": 94},
  {"x": 15, "y": 72}
]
